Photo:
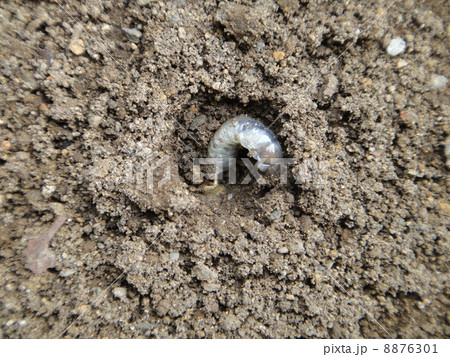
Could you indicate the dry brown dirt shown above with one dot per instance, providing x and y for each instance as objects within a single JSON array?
[{"x": 355, "y": 244}]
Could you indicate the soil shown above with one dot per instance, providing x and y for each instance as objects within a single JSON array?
[{"x": 354, "y": 244}]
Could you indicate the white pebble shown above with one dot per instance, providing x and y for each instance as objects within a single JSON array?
[
  {"x": 47, "y": 190},
  {"x": 119, "y": 292},
  {"x": 143, "y": 2},
  {"x": 438, "y": 81},
  {"x": 181, "y": 33},
  {"x": 402, "y": 63},
  {"x": 396, "y": 46},
  {"x": 174, "y": 255},
  {"x": 77, "y": 46},
  {"x": 133, "y": 35}
]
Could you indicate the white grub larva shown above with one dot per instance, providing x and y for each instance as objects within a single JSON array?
[{"x": 246, "y": 132}]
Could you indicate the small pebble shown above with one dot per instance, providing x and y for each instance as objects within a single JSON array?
[
  {"x": 133, "y": 35},
  {"x": 6, "y": 145},
  {"x": 181, "y": 33},
  {"x": 259, "y": 46},
  {"x": 28, "y": 81},
  {"x": 402, "y": 63},
  {"x": 47, "y": 190},
  {"x": 332, "y": 86},
  {"x": 163, "y": 307},
  {"x": 279, "y": 55},
  {"x": 64, "y": 273},
  {"x": 143, "y": 2},
  {"x": 211, "y": 287},
  {"x": 283, "y": 250},
  {"x": 77, "y": 46},
  {"x": 174, "y": 255},
  {"x": 204, "y": 273},
  {"x": 444, "y": 206},
  {"x": 198, "y": 122},
  {"x": 438, "y": 81},
  {"x": 447, "y": 151},
  {"x": 396, "y": 46},
  {"x": 106, "y": 27},
  {"x": 145, "y": 326},
  {"x": 296, "y": 247},
  {"x": 276, "y": 214},
  {"x": 87, "y": 229},
  {"x": 95, "y": 120},
  {"x": 230, "y": 322},
  {"x": 120, "y": 292}
]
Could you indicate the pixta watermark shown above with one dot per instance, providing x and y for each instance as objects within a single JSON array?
[{"x": 158, "y": 171}]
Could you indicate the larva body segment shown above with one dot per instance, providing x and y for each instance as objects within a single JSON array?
[{"x": 249, "y": 133}]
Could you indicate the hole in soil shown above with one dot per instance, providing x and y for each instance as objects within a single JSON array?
[
  {"x": 204, "y": 115},
  {"x": 346, "y": 222},
  {"x": 187, "y": 266},
  {"x": 42, "y": 28},
  {"x": 61, "y": 143},
  {"x": 325, "y": 106},
  {"x": 309, "y": 282}
]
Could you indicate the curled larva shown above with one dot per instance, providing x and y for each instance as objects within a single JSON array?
[{"x": 249, "y": 133}]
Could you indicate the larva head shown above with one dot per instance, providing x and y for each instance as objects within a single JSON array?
[
  {"x": 259, "y": 140},
  {"x": 267, "y": 157}
]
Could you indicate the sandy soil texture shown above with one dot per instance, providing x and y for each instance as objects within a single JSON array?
[{"x": 98, "y": 96}]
